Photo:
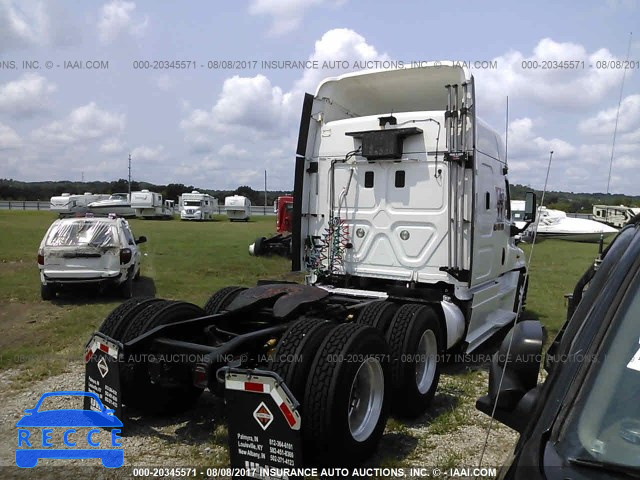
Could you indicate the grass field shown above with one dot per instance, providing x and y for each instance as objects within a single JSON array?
[
  {"x": 188, "y": 261},
  {"x": 182, "y": 261}
]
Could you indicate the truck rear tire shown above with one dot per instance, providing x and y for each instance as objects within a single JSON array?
[
  {"x": 414, "y": 339},
  {"x": 138, "y": 389},
  {"x": 346, "y": 399},
  {"x": 296, "y": 351},
  {"x": 378, "y": 315},
  {"x": 117, "y": 321},
  {"x": 220, "y": 299}
]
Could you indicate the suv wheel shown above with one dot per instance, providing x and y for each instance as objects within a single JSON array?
[
  {"x": 47, "y": 292},
  {"x": 126, "y": 288}
]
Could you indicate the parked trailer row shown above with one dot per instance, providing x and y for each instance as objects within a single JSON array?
[{"x": 401, "y": 223}]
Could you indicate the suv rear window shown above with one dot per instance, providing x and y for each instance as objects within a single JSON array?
[{"x": 94, "y": 233}]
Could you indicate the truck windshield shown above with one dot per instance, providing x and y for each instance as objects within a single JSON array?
[
  {"x": 192, "y": 203},
  {"x": 94, "y": 233},
  {"x": 605, "y": 423}
]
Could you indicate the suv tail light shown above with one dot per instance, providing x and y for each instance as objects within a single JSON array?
[
  {"x": 40, "y": 258},
  {"x": 125, "y": 256}
]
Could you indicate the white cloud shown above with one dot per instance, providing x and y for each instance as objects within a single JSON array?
[
  {"x": 255, "y": 105},
  {"x": 524, "y": 141},
  {"x": 22, "y": 25},
  {"x": 112, "y": 146},
  {"x": 287, "y": 15},
  {"x": 336, "y": 45},
  {"x": 28, "y": 23},
  {"x": 230, "y": 150},
  {"x": 523, "y": 77},
  {"x": 88, "y": 122},
  {"x": 250, "y": 106},
  {"x": 163, "y": 82},
  {"x": 9, "y": 138},
  {"x": 145, "y": 153},
  {"x": 116, "y": 18},
  {"x": 25, "y": 96},
  {"x": 603, "y": 123}
]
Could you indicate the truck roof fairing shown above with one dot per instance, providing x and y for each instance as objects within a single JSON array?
[{"x": 374, "y": 92}]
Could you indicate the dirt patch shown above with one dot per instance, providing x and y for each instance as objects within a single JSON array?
[{"x": 19, "y": 321}]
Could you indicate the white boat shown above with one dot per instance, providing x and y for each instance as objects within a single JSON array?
[
  {"x": 117, "y": 203},
  {"x": 556, "y": 224}
]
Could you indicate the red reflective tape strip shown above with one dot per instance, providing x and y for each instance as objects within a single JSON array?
[
  {"x": 253, "y": 387},
  {"x": 291, "y": 420},
  {"x": 88, "y": 355},
  {"x": 104, "y": 348}
]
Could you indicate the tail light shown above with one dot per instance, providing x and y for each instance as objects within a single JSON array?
[
  {"x": 40, "y": 258},
  {"x": 125, "y": 255}
]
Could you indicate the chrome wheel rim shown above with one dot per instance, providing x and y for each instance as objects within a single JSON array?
[
  {"x": 426, "y": 361},
  {"x": 365, "y": 399}
]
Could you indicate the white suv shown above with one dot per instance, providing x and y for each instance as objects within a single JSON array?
[{"x": 89, "y": 250}]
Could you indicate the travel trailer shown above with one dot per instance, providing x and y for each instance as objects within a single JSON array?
[
  {"x": 401, "y": 223},
  {"x": 68, "y": 204},
  {"x": 149, "y": 205},
  {"x": 197, "y": 206},
  {"x": 238, "y": 208},
  {"x": 615, "y": 216}
]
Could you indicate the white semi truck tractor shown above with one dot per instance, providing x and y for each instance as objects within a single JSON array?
[{"x": 401, "y": 222}]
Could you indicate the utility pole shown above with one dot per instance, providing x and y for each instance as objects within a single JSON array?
[
  {"x": 265, "y": 192},
  {"x": 129, "y": 177}
]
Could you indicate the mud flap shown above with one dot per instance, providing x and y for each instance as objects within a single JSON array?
[
  {"x": 263, "y": 424},
  {"x": 102, "y": 372}
]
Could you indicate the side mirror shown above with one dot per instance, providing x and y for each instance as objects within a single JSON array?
[
  {"x": 141, "y": 239},
  {"x": 514, "y": 393},
  {"x": 530, "y": 207}
]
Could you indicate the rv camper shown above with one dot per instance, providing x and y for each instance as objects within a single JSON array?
[
  {"x": 614, "y": 216},
  {"x": 238, "y": 208},
  {"x": 149, "y": 205},
  {"x": 197, "y": 206},
  {"x": 68, "y": 204}
]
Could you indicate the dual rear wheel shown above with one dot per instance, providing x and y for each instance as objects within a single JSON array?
[{"x": 350, "y": 377}]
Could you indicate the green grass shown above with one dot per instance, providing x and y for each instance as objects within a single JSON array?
[
  {"x": 182, "y": 261},
  {"x": 189, "y": 261},
  {"x": 555, "y": 268}
]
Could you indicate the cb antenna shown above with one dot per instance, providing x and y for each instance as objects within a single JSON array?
[
  {"x": 615, "y": 130},
  {"x": 506, "y": 135}
]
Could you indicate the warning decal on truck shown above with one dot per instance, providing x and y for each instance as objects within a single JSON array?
[
  {"x": 263, "y": 415},
  {"x": 263, "y": 423}
]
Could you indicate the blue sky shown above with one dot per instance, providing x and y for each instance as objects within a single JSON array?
[{"x": 220, "y": 128}]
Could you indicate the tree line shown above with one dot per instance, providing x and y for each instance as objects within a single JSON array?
[
  {"x": 16, "y": 190},
  {"x": 43, "y": 191},
  {"x": 575, "y": 202}
]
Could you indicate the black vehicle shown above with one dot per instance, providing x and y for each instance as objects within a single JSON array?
[{"x": 584, "y": 420}]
